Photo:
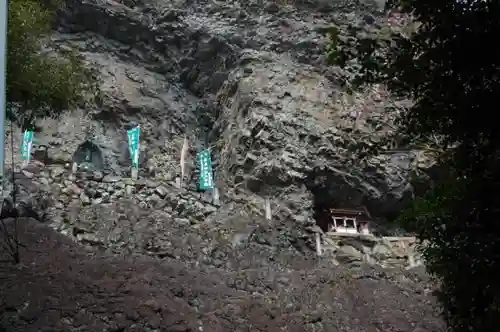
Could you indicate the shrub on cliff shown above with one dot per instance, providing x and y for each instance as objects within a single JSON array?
[
  {"x": 40, "y": 83},
  {"x": 452, "y": 73}
]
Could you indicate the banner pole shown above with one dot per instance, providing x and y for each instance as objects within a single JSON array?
[{"x": 3, "y": 68}]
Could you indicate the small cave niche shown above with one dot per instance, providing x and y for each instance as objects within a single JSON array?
[
  {"x": 41, "y": 153},
  {"x": 88, "y": 156},
  {"x": 336, "y": 206},
  {"x": 332, "y": 217}
]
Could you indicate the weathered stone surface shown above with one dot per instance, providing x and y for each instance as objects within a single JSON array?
[
  {"x": 161, "y": 191},
  {"x": 111, "y": 179}
]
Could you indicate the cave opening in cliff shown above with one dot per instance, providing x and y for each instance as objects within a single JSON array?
[
  {"x": 337, "y": 206},
  {"x": 331, "y": 218}
]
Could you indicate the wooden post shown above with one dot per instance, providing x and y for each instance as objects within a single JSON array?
[
  {"x": 134, "y": 173},
  {"x": 184, "y": 151},
  {"x": 129, "y": 190},
  {"x": 318, "y": 244},
  {"x": 411, "y": 261},
  {"x": 215, "y": 197},
  {"x": 268, "y": 209}
]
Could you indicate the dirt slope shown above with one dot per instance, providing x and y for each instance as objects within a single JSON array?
[{"x": 63, "y": 287}]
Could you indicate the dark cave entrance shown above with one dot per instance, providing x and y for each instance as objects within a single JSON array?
[
  {"x": 345, "y": 218},
  {"x": 322, "y": 215},
  {"x": 337, "y": 205},
  {"x": 323, "y": 202}
]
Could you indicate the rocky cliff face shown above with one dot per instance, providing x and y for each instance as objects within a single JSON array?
[{"x": 247, "y": 79}]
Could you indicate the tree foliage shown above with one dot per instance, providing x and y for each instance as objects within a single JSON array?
[
  {"x": 449, "y": 65},
  {"x": 41, "y": 83}
]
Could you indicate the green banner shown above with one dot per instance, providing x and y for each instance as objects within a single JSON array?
[
  {"x": 27, "y": 144},
  {"x": 206, "y": 175},
  {"x": 134, "y": 145}
]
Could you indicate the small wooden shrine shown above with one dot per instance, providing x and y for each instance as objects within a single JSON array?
[{"x": 350, "y": 221}]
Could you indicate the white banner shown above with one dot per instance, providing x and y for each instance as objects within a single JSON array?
[{"x": 183, "y": 156}]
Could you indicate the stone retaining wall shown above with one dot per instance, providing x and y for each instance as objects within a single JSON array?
[
  {"x": 384, "y": 251},
  {"x": 68, "y": 189}
]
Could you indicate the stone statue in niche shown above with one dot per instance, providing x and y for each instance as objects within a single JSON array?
[{"x": 88, "y": 156}]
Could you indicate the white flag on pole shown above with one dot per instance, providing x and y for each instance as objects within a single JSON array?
[
  {"x": 183, "y": 156},
  {"x": 267, "y": 206}
]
